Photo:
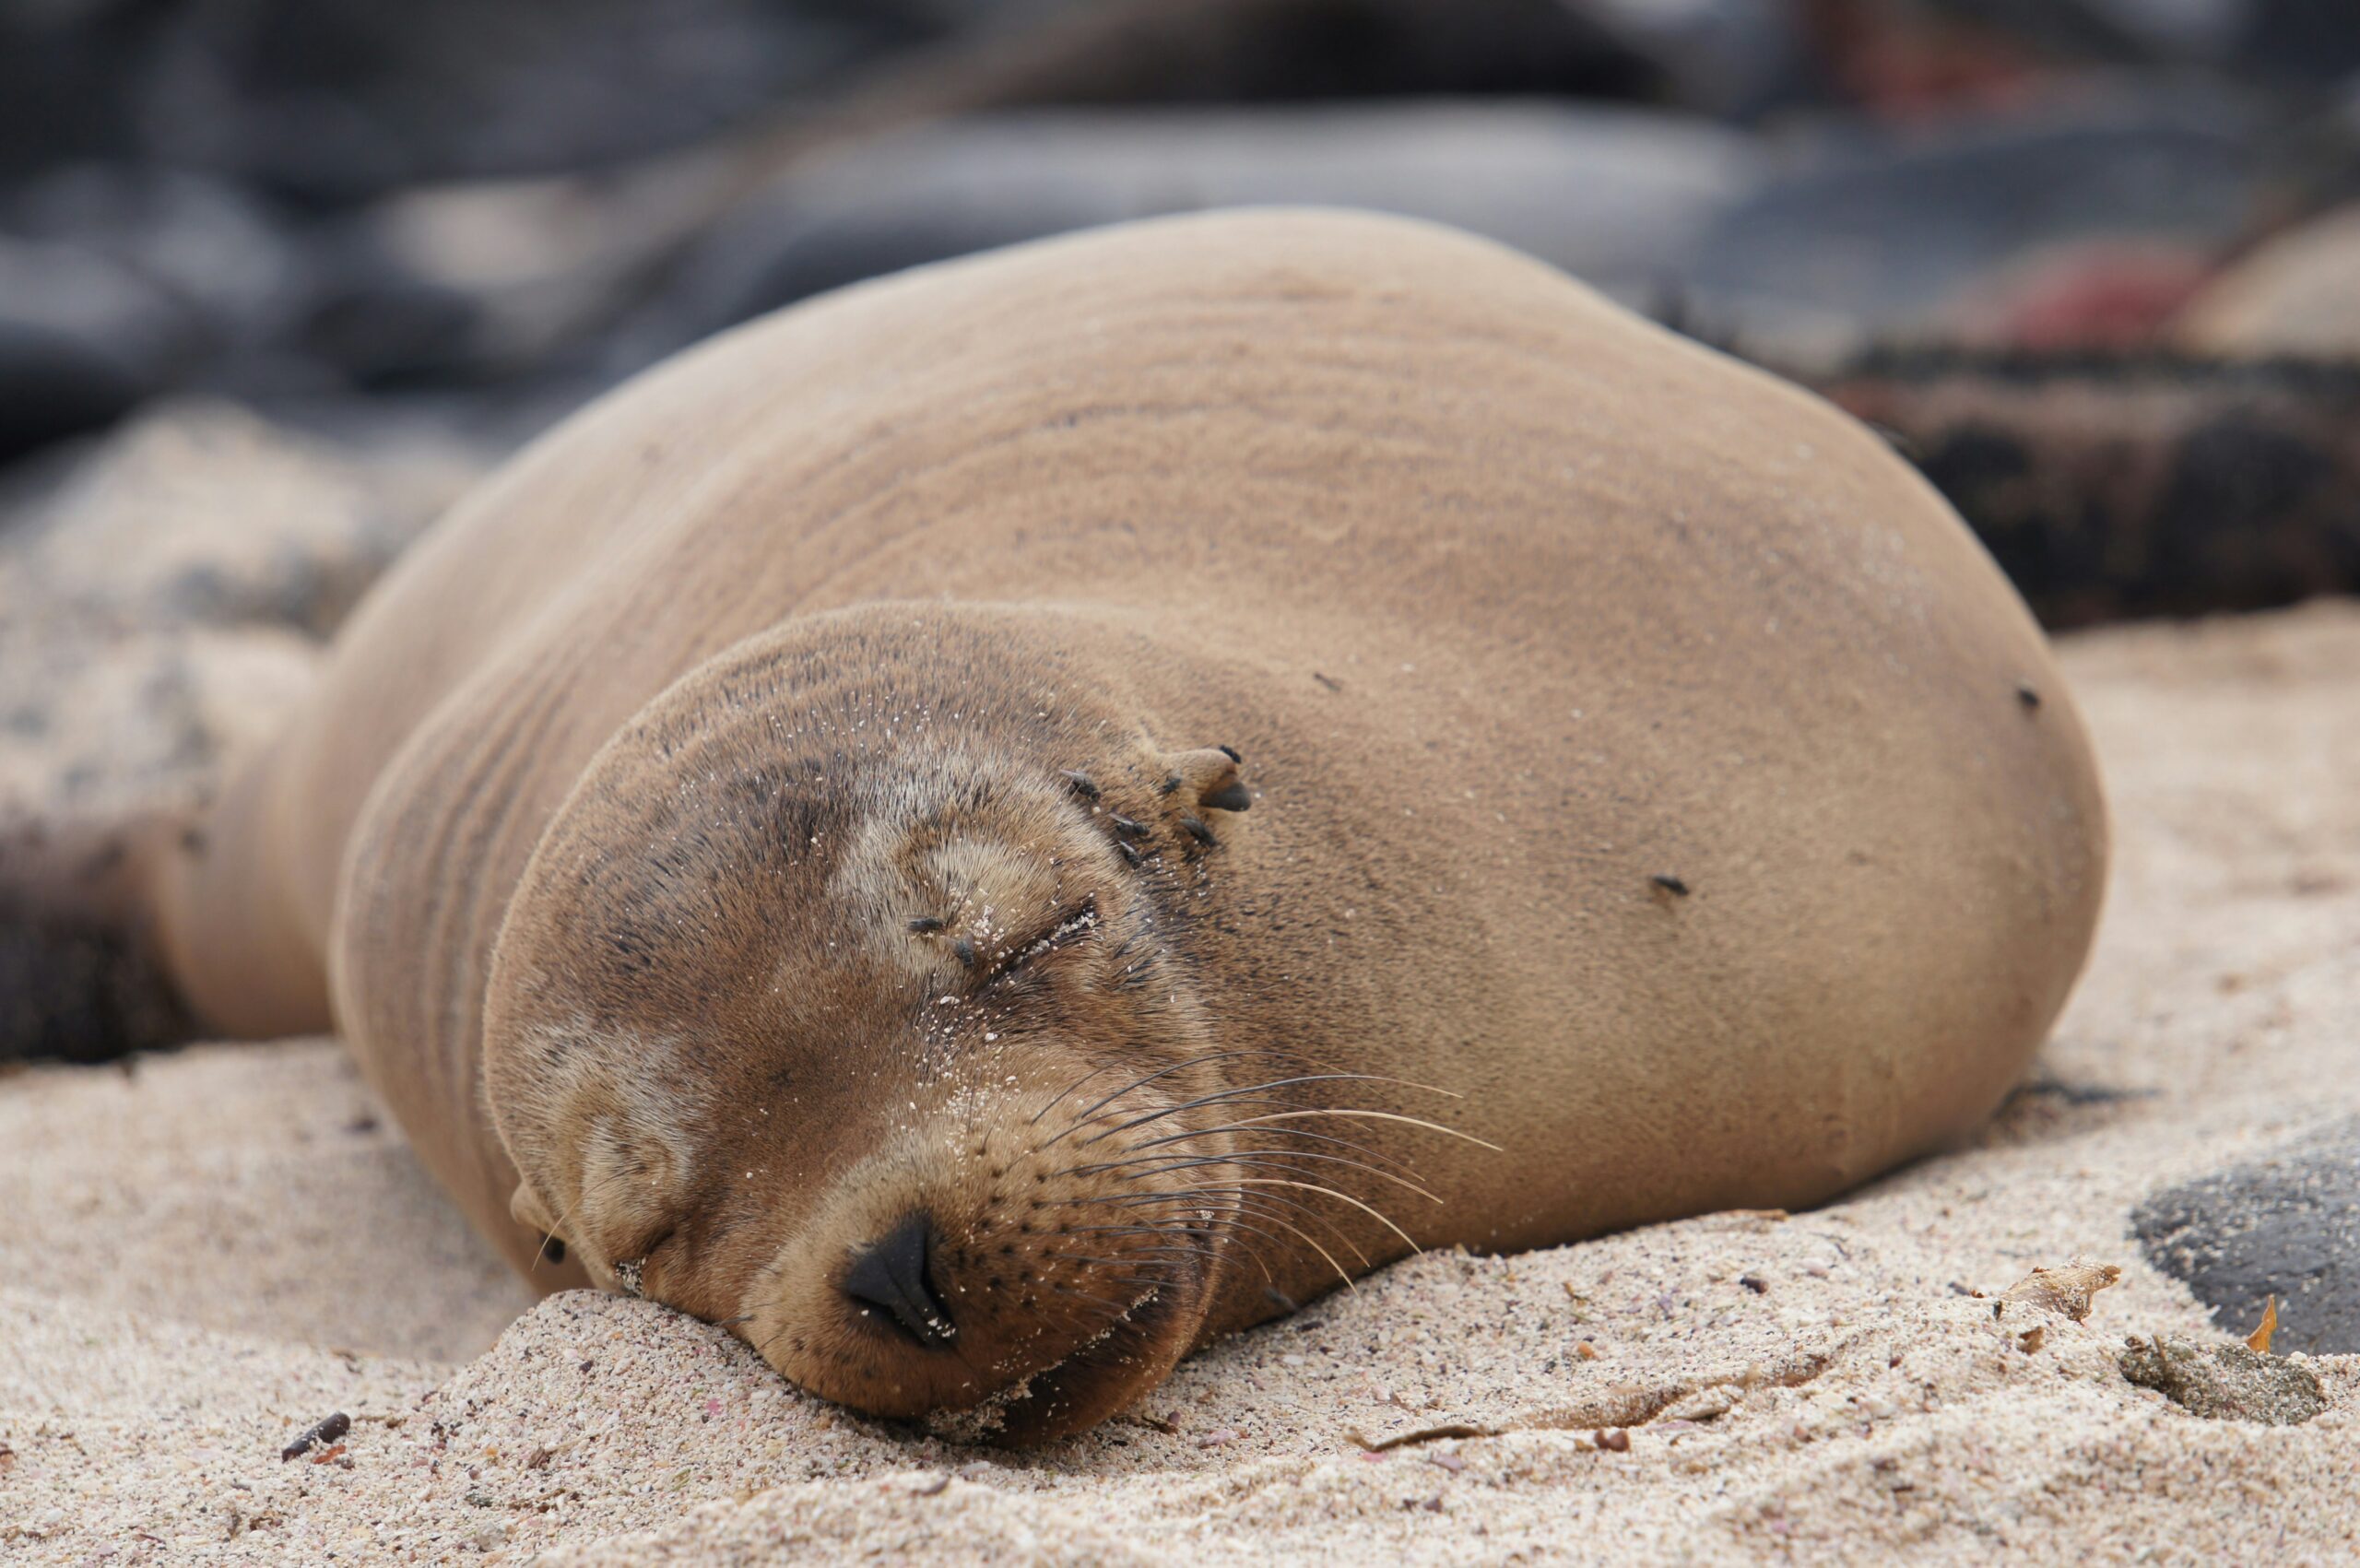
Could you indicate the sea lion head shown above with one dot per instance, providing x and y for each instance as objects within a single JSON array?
[{"x": 871, "y": 1040}]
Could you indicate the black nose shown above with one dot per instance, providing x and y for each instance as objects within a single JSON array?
[{"x": 891, "y": 1277}]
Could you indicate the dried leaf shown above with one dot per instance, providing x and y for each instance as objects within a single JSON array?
[
  {"x": 2066, "y": 1290},
  {"x": 2259, "y": 1341}
]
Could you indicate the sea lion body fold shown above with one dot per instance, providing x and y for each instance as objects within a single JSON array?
[{"x": 1637, "y": 749}]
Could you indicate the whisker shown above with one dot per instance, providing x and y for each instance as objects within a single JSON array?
[
  {"x": 1206, "y": 1059},
  {"x": 1140, "y": 1282},
  {"x": 1291, "y": 1132},
  {"x": 1314, "y": 1245},
  {"x": 1260, "y": 1211},
  {"x": 1234, "y": 1222},
  {"x": 1274, "y": 1181},
  {"x": 1112, "y": 1308},
  {"x": 1216, "y": 1096},
  {"x": 1130, "y": 1260},
  {"x": 1203, "y": 1058},
  {"x": 1068, "y": 1088},
  {"x": 1251, "y": 1088},
  {"x": 1250, "y": 1157},
  {"x": 1356, "y": 1203},
  {"x": 1133, "y": 1255},
  {"x": 1378, "y": 1116},
  {"x": 1262, "y": 1203},
  {"x": 1200, "y": 1244}
]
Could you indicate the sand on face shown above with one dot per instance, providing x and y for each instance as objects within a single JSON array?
[{"x": 203, "y": 1257}]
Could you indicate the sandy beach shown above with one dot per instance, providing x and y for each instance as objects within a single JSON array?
[{"x": 205, "y": 1255}]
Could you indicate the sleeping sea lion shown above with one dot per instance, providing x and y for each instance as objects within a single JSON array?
[{"x": 999, "y": 824}]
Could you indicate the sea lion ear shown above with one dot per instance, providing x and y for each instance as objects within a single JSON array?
[
  {"x": 1208, "y": 777},
  {"x": 526, "y": 1211}
]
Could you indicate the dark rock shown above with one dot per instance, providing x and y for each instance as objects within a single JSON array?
[
  {"x": 2223, "y": 1382},
  {"x": 218, "y": 252},
  {"x": 481, "y": 280},
  {"x": 2308, "y": 42},
  {"x": 2287, "y": 1226},
  {"x": 54, "y": 385},
  {"x": 2119, "y": 485},
  {"x": 77, "y": 990},
  {"x": 1732, "y": 59},
  {"x": 81, "y": 340},
  {"x": 64, "y": 92},
  {"x": 1617, "y": 196},
  {"x": 336, "y": 100},
  {"x": 378, "y": 327},
  {"x": 1230, "y": 52},
  {"x": 1879, "y": 235}
]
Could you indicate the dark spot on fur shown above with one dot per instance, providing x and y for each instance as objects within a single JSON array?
[
  {"x": 966, "y": 951},
  {"x": 1171, "y": 784},
  {"x": 1330, "y": 681},
  {"x": 1670, "y": 884},
  {"x": 2027, "y": 696},
  {"x": 925, "y": 924}
]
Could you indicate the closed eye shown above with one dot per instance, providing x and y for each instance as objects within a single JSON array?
[{"x": 1073, "y": 926}]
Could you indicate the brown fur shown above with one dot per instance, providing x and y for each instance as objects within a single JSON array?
[{"x": 1636, "y": 750}]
